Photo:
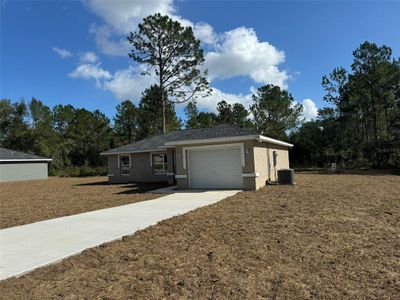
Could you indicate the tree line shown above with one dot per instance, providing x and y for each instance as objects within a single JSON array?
[
  {"x": 360, "y": 127},
  {"x": 74, "y": 137}
]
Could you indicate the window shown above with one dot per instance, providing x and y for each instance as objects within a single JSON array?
[
  {"x": 125, "y": 164},
  {"x": 159, "y": 164}
]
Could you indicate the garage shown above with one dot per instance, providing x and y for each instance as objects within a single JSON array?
[
  {"x": 18, "y": 166},
  {"x": 215, "y": 168}
]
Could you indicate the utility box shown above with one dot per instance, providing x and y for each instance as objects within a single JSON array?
[{"x": 286, "y": 176}]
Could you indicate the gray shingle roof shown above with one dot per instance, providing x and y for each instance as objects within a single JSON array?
[
  {"x": 7, "y": 154},
  {"x": 157, "y": 141}
]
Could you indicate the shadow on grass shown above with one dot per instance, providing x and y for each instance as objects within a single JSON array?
[
  {"x": 93, "y": 183},
  {"x": 140, "y": 188},
  {"x": 130, "y": 188}
]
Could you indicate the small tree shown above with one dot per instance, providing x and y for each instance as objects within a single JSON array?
[
  {"x": 225, "y": 114},
  {"x": 150, "y": 114},
  {"x": 275, "y": 111},
  {"x": 196, "y": 119},
  {"x": 191, "y": 112},
  {"x": 174, "y": 54},
  {"x": 206, "y": 119},
  {"x": 126, "y": 121},
  {"x": 235, "y": 114}
]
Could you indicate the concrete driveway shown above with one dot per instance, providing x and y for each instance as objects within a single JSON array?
[{"x": 27, "y": 247}]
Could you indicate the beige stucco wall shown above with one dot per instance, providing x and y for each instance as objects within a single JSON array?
[
  {"x": 260, "y": 163},
  {"x": 141, "y": 169},
  {"x": 263, "y": 161},
  {"x": 282, "y": 159}
]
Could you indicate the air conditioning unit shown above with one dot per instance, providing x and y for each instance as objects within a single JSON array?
[{"x": 286, "y": 176}]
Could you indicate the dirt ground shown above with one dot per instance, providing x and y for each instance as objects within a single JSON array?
[
  {"x": 36, "y": 200},
  {"x": 328, "y": 237}
]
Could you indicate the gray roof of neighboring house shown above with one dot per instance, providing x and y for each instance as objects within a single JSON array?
[
  {"x": 7, "y": 154},
  {"x": 158, "y": 141}
]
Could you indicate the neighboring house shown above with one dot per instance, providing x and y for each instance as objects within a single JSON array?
[
  {"x": 17, "y": 166},
  {"x": 223, "y": 157}
]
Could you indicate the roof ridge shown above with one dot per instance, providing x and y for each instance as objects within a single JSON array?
[
  {"x": 187, "y": 129},
  {"x": 6, "y": 153}
]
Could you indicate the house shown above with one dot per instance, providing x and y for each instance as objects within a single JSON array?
[
  {"x": 224, "y": 156},
  {"x": 17, "y": 166}
]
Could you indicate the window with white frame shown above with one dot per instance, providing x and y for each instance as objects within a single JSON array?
[
  {"x": 160, "y": 164},
  {"x": 125, "y": 164}
]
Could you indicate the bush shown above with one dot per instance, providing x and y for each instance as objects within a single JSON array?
[
  {"x": 358, "y": 162},
  {"x": 81, "y": 171}
]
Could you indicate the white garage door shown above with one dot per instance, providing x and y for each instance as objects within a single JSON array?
[{"x": 215, "y": 168}]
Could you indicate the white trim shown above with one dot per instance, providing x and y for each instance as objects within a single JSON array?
[
  {"x": 27, "y": 159},
  {"x": 170, "y": 174},
  {"x": 183, "y": 176},
  {"x": 220, "y": 146},
  {"x": 164, "y": 154},
  {"x": 262, "y": 138},
  {"x": 259, "y": 137},
  {"x": 155, "y": 152},
  {"x": 132, "y": 152},
  {"x": 119, "y": 164},
  {"x": 212, "y": 140},
  {"x": 250, "y": 174},
  {"x": 166, "y": 147},
  {"x": 169, "y": 145},
  {"x": 184, "y": 158}
]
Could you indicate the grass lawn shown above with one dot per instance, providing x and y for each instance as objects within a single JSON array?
[
  {"x": 328, "y": 237},
  {"x": 36, "y": 200}
]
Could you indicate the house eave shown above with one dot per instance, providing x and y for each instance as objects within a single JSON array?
[
  {"x": 266, "y": 139},
  {"x": 259, "y": 138},
  {"x": 212, "y": 140},
  {"x": 172, "y": 144},
  {"x": 26, "y": 159},
  {"x": 130, "y": 152}
]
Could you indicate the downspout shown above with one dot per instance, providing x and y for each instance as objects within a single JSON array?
[{"x": 269, "y": 165}]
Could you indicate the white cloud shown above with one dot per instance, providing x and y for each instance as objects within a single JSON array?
[
  {"x": 234, "y": 53},
  {"x": 124, "y": 16},
  {"x": 63, "y": 53},
  {"x": 89, "y": 57},
  {"x": 128, "y": 84},
  {"x": 205, "y": 33},
  {"x": 107, "y": 44},
  {"x": 240, "y": 53},
  {"x": 90, "y": 71},
  {"x": 310, "y": 110},
  {"x": 210, "y": 102}
]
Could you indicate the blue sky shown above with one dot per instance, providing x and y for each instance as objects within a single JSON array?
[{"x": 73, "y": 52}]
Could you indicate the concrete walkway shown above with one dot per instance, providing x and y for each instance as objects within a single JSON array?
[{"x": 27, "y": 247}]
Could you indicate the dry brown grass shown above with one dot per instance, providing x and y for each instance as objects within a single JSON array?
[
  {"x": 328, "y": 237},
  {"x": 31, "y": 201}
]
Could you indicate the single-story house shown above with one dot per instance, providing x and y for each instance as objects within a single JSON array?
[
  {"x": 18, "y": 166},
  {"x": 222, "y": 157}
]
